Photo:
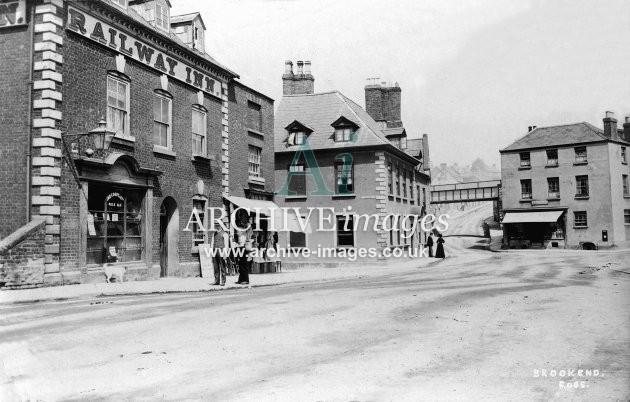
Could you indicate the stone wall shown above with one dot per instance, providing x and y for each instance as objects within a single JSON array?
[{"x": 22, "y": 257}]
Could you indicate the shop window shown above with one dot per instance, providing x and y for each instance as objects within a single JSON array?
[
  {"x": 162, "y": 121},
  {"x": 581, "y": 186},
  {"x": 345, "y": 231},
  {"x": 552, "y": 157},
  {"x": 579, "y": 219},
  {"x": 553, "y": 184},
  {"x": 344, "y": 176},
  {"x": 626, "y": 190},
  {"x": 162, "y": 16},
  {"x": 118, "y": 106},
  {"x": 526, "y": 189},
  {"x": 198, "y": 235},
  {"x": 580, "y": 155},
  {"x": 255, "y": 156},
  {"x": 198, "y": 131},
  {"x": 525, "y": 159},
  {"x": 115, "y": 222},
  {"x": 297, "y": 182}
]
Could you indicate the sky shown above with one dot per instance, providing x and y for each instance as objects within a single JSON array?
[{"x": 474, "y": 73}]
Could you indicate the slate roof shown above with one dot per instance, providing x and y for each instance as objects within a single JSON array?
[
  {"x": 170, "y": 35},
  {"x": 554, "y": 136},
  {"x": 394, "y": 131},
  {"x": 414, "y": 147},
  {"x": 319, "y": 111}
]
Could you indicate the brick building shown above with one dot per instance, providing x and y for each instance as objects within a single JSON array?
[
  {"x": 366, "y": 165},
  {"x": 567, "y": 186},
  {"x": 184, "y": 126}
]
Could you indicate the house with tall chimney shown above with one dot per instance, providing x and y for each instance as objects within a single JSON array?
[
  {"x": 332, "y": 153},
  {"x": 567, "y": 186},
  {"x": 120, "y": 124}
]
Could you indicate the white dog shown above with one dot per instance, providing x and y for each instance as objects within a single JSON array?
[{"x": 118, "y": 272}]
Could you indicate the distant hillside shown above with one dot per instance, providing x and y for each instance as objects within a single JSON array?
[{"x": 477, "y": 171}]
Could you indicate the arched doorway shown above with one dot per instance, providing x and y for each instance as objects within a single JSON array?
[{"x": 169, "y": 237}]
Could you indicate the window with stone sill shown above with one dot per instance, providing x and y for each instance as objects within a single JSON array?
[
  {"x": 255, "y": 156},
  {"x": 552, "y": 157},
  {"x": 525, "y": 159},
  {"x": 199, "y": 135},
  {"x": 553, "y": 184},
  {"x": 118, "y": 105},
  {"x": 580, "y": 155},
  {"x": 162, "y": 120},
  {"x": 581, "y": 186},
  {"x": 626, "y": 189},
  {"x": 579, "y": 219},
  {"x": 626, "y": 216},
  {"x": 526, "y": 189},
  {"x": 624, "y": 157}
]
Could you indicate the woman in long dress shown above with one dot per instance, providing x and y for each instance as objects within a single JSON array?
[{"x": 439, "y": 251}]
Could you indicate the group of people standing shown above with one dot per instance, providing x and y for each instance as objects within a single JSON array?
[
  {"x": 439, "y": 251},
  {"x": 239, "y": 249}
]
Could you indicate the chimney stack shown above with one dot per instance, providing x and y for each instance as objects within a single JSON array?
[
  {"x": 383, "y": 103},
  {"x": 626, "y": 129},
  {"x": 300, "y": 83},
  {"x": 610, "y": 126}
]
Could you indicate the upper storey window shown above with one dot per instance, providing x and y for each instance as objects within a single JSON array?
[
  {"x": 120, "y": 3},
  {"x": 297, "y": 133},
  {"x": 345, "y": 130},
  {"x": 162, "y": 16}
]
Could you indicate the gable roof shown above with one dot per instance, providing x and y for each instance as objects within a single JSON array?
[
  {"x": 414, "y": 147},
  {"x": 394, "y": 131},
  {"x": 186, "y": 18},
  {"x": 318, "y": 111},
  {"x": 553, "y": 136}
]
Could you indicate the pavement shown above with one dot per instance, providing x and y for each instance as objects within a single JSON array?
[{"x": 197, "y": 284}]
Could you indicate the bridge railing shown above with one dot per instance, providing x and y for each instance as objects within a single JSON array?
[{"x": 462, "y": 192}]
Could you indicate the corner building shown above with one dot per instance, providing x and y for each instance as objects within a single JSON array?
[{"x": 169, "y": 103}]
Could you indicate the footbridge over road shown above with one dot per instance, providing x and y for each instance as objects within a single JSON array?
[{"x": 489, "y": 190}]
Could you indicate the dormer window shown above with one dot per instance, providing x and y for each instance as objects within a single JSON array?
[
  {"x": 297, "y": 133},
  {"x": 345, "y": 129},
  {"x": 162, "y": 16},
  {"x": 120, "y": 3},
  {"x": 297, "y": 138}
]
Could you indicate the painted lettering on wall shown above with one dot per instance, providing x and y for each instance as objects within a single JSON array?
[
  {"x": 100, "y": 32},
  {"x": 12, "y": 13}
]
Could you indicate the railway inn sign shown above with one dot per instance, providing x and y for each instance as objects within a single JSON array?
[
  {"x": 107, "y": 35},
  {"x": 12, "y": 13}
]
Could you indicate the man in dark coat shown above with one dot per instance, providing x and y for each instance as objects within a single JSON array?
[{"x": 430, "y": 244}]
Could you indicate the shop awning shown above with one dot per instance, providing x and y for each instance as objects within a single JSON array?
[
  {"x": 531, "y": 217},
  {"x": 268, "y": 208}
]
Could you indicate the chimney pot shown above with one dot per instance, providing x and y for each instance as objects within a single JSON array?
[
  {"x": 610, "y": 114},
  {"x": 626, "y": 129},
  {"x": 288, "y": 67},
  {"x": 307, "y": 67},
  {"x": 300, "y": 67}
]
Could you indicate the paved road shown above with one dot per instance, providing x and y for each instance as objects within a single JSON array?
[{"x": 474, "y": 327}]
